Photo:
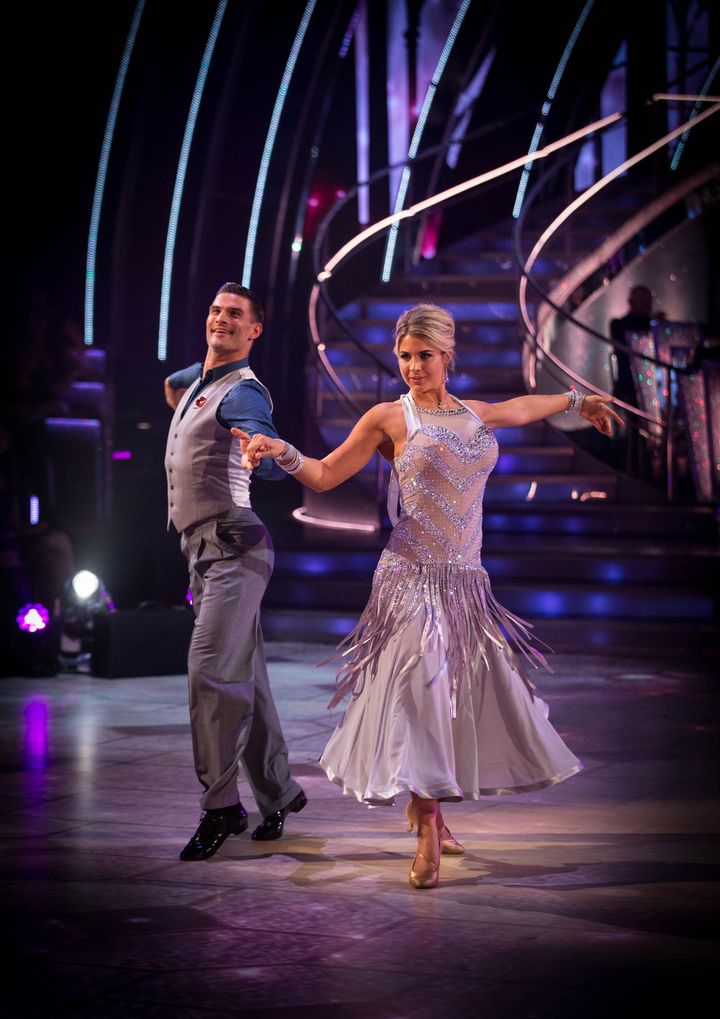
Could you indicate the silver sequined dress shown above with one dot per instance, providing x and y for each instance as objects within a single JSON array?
[{"x": 441, "y": 704}]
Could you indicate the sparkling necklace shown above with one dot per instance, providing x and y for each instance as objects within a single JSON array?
[{"x": 441, "y": 411}]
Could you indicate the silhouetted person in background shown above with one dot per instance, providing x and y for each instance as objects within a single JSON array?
[{"x": 638, "y": 319}]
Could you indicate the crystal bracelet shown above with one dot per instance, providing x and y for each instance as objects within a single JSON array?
[
  {"x": 290, "y": 460},
  {"x": 575, "y": 402}
]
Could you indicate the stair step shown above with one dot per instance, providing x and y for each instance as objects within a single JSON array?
[
  {"x": 494, "y": 377},
  {"x": 550, "y": 599},
  {"x": 606, "y": 518},
  {"x": 511, "y": 560},
  {"x": 607, "y": 637},
  {"x": 533, "y": 487},
  {"x": 335, "y": 430},
  {"x": 378, "y": 335},
  {"x": 464, "y": 308},
  {"x": 505, "y": 354}
]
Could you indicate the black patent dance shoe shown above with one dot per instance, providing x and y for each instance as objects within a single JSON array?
[
  {"x": 215, "y": 826},
  {"x": 272, "y": 826}
]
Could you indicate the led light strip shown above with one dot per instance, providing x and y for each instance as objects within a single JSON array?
[
  {"x": 269, "y": 144},
  {"x": 458, "y": 189},
  {"x": 699, "y": 100},
  {"x": 552, "y": 91},
  {"x": 417, "y": 135},
  {"x": 102, "y": 176},
  {"x": 180, "y": 181},
  {"x": 304, "y": 517}
]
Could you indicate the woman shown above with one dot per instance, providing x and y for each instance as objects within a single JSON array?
[{"x": 441, "y": 707}]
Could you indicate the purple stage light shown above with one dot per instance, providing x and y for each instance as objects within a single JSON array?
[
  {"x": 32, "y": 618},
  {"x": 122, "y": 454},
  {"x": 188, "y": 596}
]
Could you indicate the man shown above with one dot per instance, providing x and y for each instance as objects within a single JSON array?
[
  {"x": 232, "y": 713},
  {"x": 629, "y": 446},
  {"x": 638, "y": 319}
]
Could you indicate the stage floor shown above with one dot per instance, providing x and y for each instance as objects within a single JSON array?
[{"x": 597, "y": 897}]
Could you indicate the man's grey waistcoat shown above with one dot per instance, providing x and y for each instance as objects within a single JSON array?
[{"x": 202, "y": 459}]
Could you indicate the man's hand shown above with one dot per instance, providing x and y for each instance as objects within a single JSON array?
[{"x": 257, "y": 447}]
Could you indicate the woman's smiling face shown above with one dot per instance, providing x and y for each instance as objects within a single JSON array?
[{"x": 422, "y": 366}]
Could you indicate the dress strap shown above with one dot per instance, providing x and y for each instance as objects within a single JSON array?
[
  {"x": 412, "y": 423},
  {"x": 469, "y": 410},
  {"x": 411, "y": 414}
]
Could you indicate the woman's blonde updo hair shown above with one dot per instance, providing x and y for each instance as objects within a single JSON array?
[{"x": 431, "y": 323}]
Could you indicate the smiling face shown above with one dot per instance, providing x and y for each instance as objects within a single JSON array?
[
  {"x": 422, "y": 366},
  {"x": 230, "y": 329}
]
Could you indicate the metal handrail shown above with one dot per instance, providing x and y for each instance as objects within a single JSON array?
[
  {"x": 578, "y": 202},
  {"x": 675, "y": 195},
  {"x": 324, "y": 227}
]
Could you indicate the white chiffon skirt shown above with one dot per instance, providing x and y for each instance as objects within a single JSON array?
[{"x": 399, "y": 733}]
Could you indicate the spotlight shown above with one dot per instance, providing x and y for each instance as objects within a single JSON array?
[
  {"x": 85, "y": 584},
  {"x": 83, "y": 598},
  {"x": 32, "y": 618},
  {"x": 33, "y": 648}
]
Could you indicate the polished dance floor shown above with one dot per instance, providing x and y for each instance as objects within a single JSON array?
[{"x": 597, "y": 897}]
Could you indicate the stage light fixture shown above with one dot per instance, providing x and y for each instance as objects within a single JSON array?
[
  {"x": 85, "y": 584},
  {"x": 33, "y": 648},
  {"x": 32, "y": 618},
  {"x": 83, "y": 598}
]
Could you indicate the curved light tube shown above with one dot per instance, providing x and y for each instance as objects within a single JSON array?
[
  {"x": 102, "y": 176},
  {"x": 702, "y": 98},
  {"x": 270, "y": 142},
  {"x": 417, "y": 134},
  {"x": 551, "y": 93},
  {"x": 458, "y": 189},
  {"x": 560, "y": 219},
  {"x": 180, "y": 180},
  {"x": 304, "y": 517}
]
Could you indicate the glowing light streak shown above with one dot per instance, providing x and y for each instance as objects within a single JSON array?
[
  {"x": 34, "y": 515},
  {"x": 180, "y": 180},
  {"x": 362, "y": 114},
  {"x": 682, "y": 97},
  {"x": 699, "y": 100},
  {"x": 557, "y": 223},
  {"x": 304, "y": 517},
  {"x": 547, "y": 105},
  {"x": 101, "y": 178},
  {"x": 418, "y": 132},
  {"x": 319, "y": 345},
  {"x": 270, "y": 143},
  {"x": 458, "y": 189}
]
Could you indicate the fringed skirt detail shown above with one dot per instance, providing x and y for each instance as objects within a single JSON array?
[{"x": 440, "y": 705}]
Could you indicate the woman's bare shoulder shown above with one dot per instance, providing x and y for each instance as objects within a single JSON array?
[{"x": 384, "y": 412}]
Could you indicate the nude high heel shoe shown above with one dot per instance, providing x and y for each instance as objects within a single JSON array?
[
  {"x": 424, "y": 878},
  {"x": 449, "y": 845}
]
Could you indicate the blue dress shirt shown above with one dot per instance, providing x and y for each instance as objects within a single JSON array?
[{"x": 245, "y": 406}]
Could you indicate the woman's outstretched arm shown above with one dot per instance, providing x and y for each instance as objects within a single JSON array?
[
  {"x": 364, "y": 440},
  {"x": 523, "y": 410}
]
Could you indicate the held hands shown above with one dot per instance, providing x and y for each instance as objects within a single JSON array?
[
  {"x": 597, "y": 410},
  {"x": 256, "y": 448}
]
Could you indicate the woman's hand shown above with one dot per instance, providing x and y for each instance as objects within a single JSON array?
[
  {"x": 597, "y": 410},
  {"x": 255, "y": 448}
]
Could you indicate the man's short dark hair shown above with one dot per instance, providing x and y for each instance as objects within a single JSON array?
[{"x": 240, "y": 291}]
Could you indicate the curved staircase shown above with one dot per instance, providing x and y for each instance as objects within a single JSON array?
[{"x": 595, "y": 560}]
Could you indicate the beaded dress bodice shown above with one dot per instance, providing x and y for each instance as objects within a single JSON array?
[{"x": 442, "y": 474}]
